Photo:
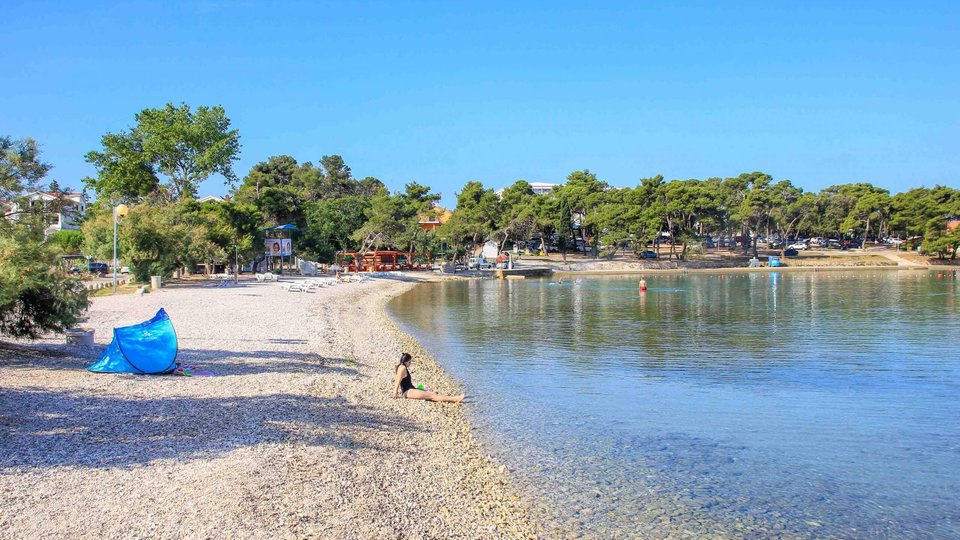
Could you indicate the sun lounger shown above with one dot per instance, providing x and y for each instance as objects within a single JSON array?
[
  {"x": 293, "y": 287},
  {"x": 267, "y": 277}
]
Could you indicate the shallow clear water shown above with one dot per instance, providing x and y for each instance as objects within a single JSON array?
[{"x": 813, "y": 404}]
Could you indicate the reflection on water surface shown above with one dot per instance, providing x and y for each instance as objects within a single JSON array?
[{"x": 811, "y": 404}]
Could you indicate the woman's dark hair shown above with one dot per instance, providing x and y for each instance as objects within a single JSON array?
[{"x": 404, "y": 358}]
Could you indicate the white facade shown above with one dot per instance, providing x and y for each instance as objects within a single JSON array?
[
  {"x": 542, "y": 188},
  {"x": 538, "y": 188},
  {"x": 63, "y": 210}
]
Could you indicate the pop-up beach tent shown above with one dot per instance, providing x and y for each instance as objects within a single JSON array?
[{"x": 149, "y": 347}]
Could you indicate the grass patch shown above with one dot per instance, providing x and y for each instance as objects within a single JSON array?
[{"x": 127, "y": 288}]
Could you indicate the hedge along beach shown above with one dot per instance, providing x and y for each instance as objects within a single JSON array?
[{"x": 294, "y": 435}]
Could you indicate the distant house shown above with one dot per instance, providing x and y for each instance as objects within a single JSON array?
[
  {"x": 538, "y": 188},
  {"x": 953, "y": 224},
  {"x": 214, "y": 198},
  {"x": 63, "y": 210},
  {"x": 434, "y": 220}
]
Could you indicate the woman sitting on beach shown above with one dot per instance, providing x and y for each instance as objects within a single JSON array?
[{"x": 403, "y": 385}]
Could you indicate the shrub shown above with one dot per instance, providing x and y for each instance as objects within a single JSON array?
[{"x": 36, "y": 295}]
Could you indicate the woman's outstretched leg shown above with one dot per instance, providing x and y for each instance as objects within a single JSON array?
[{"x": 433, "y": 396}]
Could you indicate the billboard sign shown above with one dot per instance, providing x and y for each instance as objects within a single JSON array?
[{"x": 278, "y": 247}]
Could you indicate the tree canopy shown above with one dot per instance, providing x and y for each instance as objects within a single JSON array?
[
  {"x": 36, "y": 294},
  {"x": 185, "y": 146}
]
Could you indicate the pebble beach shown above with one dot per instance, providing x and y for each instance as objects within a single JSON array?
[{"x": 288, "y": 429}]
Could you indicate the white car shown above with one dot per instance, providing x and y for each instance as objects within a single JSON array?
[
  {"x": 478, "y": 263},
  {"x": 798, "y": 246}
]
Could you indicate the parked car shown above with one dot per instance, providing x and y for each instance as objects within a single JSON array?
[
  {"x": 790, "y": 252},
  {"x": 834, "y": 243},
  {"x": 798, "y": 246},
  {"x": 647, "y": 254},
  {"x": 855, "y": 244},
  {"x": 98, "y": 268},
  {"x": 478, "y": 263}
]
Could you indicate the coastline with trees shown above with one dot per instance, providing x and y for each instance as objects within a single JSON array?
[
  {"x": 296, "y": 376},
  {"x": 157, "y": 165}
]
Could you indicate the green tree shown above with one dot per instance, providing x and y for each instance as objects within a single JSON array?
[
  {"x": 684, "y": 204},
  {"x": 611, "y": 218},
  {"x": 331, "y": 225},
  {"x": 36, "y": 295},
  {"x": 68, "y": 241},
  {"x": 580, "y": 195},
  {"x": 941, "y": 240},
  {"x": 756, "y": 205},
  {"x": 20, "y": 166},
  {"x": 186, "y": 146},
  {"x": 384, "y": 224},
  {"x": 789, "y": 214},
  {"x": 516, "y": 214},
  {"x": 475, "y": 217}
]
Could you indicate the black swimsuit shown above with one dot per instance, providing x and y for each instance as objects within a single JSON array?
[{"x": 406, "y": 383}]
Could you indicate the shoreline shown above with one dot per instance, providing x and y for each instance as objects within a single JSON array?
[
  {"x": 740, "y": 270},
  {"x": 295, "y": 435}
]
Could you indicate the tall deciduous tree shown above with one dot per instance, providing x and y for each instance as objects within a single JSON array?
[{"x": 186, "y": 146}]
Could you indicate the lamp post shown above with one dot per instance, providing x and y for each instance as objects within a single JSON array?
[
  {"x": 236, "y": 264},
  {"x": 118, "y": 212}
]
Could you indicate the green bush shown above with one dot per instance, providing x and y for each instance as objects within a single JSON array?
[
  {"x": 68, "y": 241},
  {"x": 36, "y": 295}
]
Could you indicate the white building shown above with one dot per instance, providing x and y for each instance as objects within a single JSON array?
[
  {"x": 538, "y": 188},
  {"x": 63, "y": 211},
  {"x": 542, "y": 188}
]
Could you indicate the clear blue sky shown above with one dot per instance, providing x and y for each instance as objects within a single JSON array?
[{"x": 446, "y": 92}]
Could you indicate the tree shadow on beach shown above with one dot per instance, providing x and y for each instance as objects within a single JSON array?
[
  {"x": 218, "y": 362},
  {"x": 225, "y": 363},
  {"x": 42, "y": 428}
]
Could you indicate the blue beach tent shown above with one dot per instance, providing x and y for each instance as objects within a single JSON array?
[{"x": 149, "y": 347}]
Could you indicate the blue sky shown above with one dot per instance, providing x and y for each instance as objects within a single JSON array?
[{"x": 446, "y": 92}]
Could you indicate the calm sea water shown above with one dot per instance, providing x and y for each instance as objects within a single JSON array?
[{"x": 821, "y": 404}]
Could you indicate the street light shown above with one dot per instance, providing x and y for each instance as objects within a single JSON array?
[
  {"x": 236, "y": 264},
  {"x": 119, "y": 212}
]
